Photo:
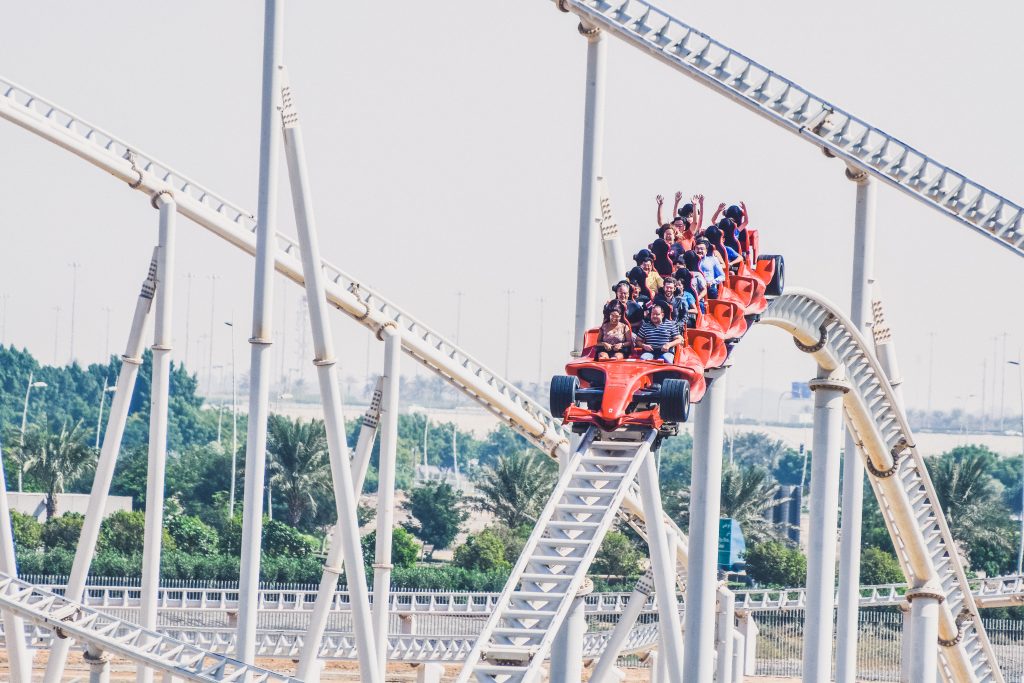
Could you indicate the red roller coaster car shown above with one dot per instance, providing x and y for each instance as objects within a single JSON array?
[{"x": 612, "y": 394}]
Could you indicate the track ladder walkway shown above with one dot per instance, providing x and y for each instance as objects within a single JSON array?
[
  {"x": 896, "y": 470},
  {"x": 517, "y": 637},
  {"x": 116, "y": 636},
  {"x": 812, "y": 118}
]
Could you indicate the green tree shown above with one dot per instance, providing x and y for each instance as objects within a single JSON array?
[
  {"x": 483, "y": 552},
  {"x": 280, "y": 539},
  {"x": 192, "y": 535},
  {"x": 516, "y": 489},
  {"x": 63, "y": 531},
  {"x": 878, "y": 567},
  {"x": 617, "y": 556},
  {"x": 299, "y": 465},
  {"x": 27, "y": 531},
  {"x": 747, "y": 492},
  {"x": 404, "y": 548},
  {"x": 123, "y": 532},
  {"x": 55, "y": 459},
  {"x": 775, "y": 564},
  {"x": 437, "y": 512}
]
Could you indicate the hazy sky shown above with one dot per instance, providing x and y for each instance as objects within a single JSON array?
[{"x": 444, "y": 146}]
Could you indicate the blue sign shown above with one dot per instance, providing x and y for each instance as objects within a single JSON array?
[{"x": 731, "y": 545}]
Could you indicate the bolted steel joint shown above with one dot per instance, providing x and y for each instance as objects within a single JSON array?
[
  {"x": 829, "y": 384},
  {"x": 857, "y": 175},
  {"x": 590, "y": 33},
  {"x": 389, "y": 324},
  {"x": 154, "y": 201}
]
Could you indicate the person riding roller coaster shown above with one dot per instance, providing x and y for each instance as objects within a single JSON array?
[{"x": 642, "y": 373}]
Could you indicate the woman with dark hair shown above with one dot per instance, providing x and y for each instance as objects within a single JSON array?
[
  {"x": 645, "y": 276},
  {"x": 624, "y": 295},
  {"x": 664, "y": 248},
  {"x": 716, "y": 235},
  {"x": 691, "y": 214},
  {"x": 690, "y": 264},
  {"x": 614, "y": 337}
]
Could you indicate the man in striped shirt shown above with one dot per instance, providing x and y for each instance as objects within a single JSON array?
[{"x": 658, "y": 336}]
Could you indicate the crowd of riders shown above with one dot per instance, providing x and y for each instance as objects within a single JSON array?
[{"x": 673, "y": 278}]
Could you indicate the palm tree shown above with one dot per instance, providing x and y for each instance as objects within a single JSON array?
[
  {"x": 55, "y": 459},
  {"x": 747, "y": 493},
  {"x": 516, "y": 488},
  {"x": 300, "y": 470}
]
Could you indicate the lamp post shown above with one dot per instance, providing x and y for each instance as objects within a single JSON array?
[
  {"x": 1020, "y": 380},
  {"x": 24, "y": 419},
  {"x": 234, "y": 418},
  {"x": 107, "y": 389}
]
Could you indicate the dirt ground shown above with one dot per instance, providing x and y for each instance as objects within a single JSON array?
[{"x": 123, "y": 671}]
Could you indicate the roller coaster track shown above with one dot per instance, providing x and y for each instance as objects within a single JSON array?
[
  {"x": 924, "y": 545},
  {"x": 812, "y": 118}
]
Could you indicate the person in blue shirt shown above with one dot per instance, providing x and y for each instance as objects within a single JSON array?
[
  {"x": 658, "y": 337},
  {"x": 710, "y": 268},
  {"x": 688, "y": 297}
]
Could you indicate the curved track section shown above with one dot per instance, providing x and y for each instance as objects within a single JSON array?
[
  {"x": 228, "y": 221},
  {"x": 897, "y": 473}
]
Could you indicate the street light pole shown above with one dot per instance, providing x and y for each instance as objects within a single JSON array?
[
  {"x": 24, "y": 419},
  {"x": 1020, "y": 383},
  {"x": 75, "y": 265}
]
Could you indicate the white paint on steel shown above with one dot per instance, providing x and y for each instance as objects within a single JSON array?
[
  {"x": 130, "y": 362},
  {"x": 705, "y": 506},
  {"x": 262, "y": 319},
  {"x": 18, "y": 657},
  {"x": 387, "y": 466},
  {"x": 345, "y": 494},
  {"x": 159, "y": 403},
  {"x": 593, "y": 144},
  {"x": 822, "y": 528}
]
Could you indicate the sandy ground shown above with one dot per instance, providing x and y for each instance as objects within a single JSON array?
[{"x": 122, "y": 671}]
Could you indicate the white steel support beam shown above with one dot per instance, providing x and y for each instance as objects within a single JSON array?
[
  {"x": 705, "y": 505},
  {"x": 924, "y": 633},
  {"x": 345, "y": 494},
  {"x": 567, "y": 650},
  {"x": 18, "y": 657},
  {"x": 262, "y": 320},
  {"x": 159, "y": 399},
  {"x": 604, "y": 670},
  {"x": 119, "y": 405},
  {"x": 853, "y": 470},
  {"x": 387, "y": 465},
  {"x": 726, "y": 627},
  {"x": 593, "y": 144},
  {"x": 367, "y": 435},
  {"x": 99, "y": 665},
  {"x": 824, "y": 518},
  {"x": 611, "y": 243},
  {"x": 664, "y": 571}
]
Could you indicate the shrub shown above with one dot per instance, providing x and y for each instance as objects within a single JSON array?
[
  {"x": 448, "y": 577},
  {"x": 617, "y": 556},
  {"x": 878, "y": 567},
  {"x": 192, "y": 535},
  {"x": 404, "y": 548},
  {"x": 288, "y": 569},
  {"x": 774, "y": 564},
  {"x": 28, "y": 532},
  {"x": 279, "y": 539},
  {"x": 123, "y": 532},
  {"x": 113, "y": 563},
  {"x": 54, "y": 562},
  {"x": 482, "y": 552},
  {"x": 63, "y": 531}
]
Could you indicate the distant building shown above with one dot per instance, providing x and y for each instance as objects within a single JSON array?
[{"x": 34, "y": 504}]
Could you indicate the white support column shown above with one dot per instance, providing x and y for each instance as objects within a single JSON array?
[
  {"x": 18, "y": 655},
  {"x": 387, "y": 465},
  {"x": 726, "y": 626},
  {"x": 605, "y": 668},
  {"x": 738, "y": 650},
  {"x": 260, "y": 341},
  {"x": 99, "y": 665},
  {"x": 705, "y": 507},
  {"x": 567, "y": 649},
  {"x": 345, "y": 493},
  {"x": 748, "y": 628},
  {"x": 429, "y": 672},
  {"x": 664, "y": 581},
  {"x": 611, "y": 243},
  {"x": 655, "y": 669},
  {"x": 853, "y": 469},
  {"x": 119, "y": 405},
  {"x": 924, "y": 615},
  {"x": 905, "y": 640},
  {"x": 824, "y": 519},
  {"x": 159, "y": 399},
  {"x": 593, "y": 143},
  {"x": 367, "y": 435}
]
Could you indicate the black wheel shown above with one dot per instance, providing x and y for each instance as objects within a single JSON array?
[
  {"x": 778, "y": 282},
  {"x": 675, "y": 400},
  {"x": 563, "y": 393}
]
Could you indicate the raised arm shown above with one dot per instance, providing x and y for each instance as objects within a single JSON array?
[
  {"x": 718, "y": 212},
  {"x": 661, "y": 201},
  {"x": 698, "y": 214},
  {"x": 675, "y": 204},
  {"x": 746, "y": 217}
]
